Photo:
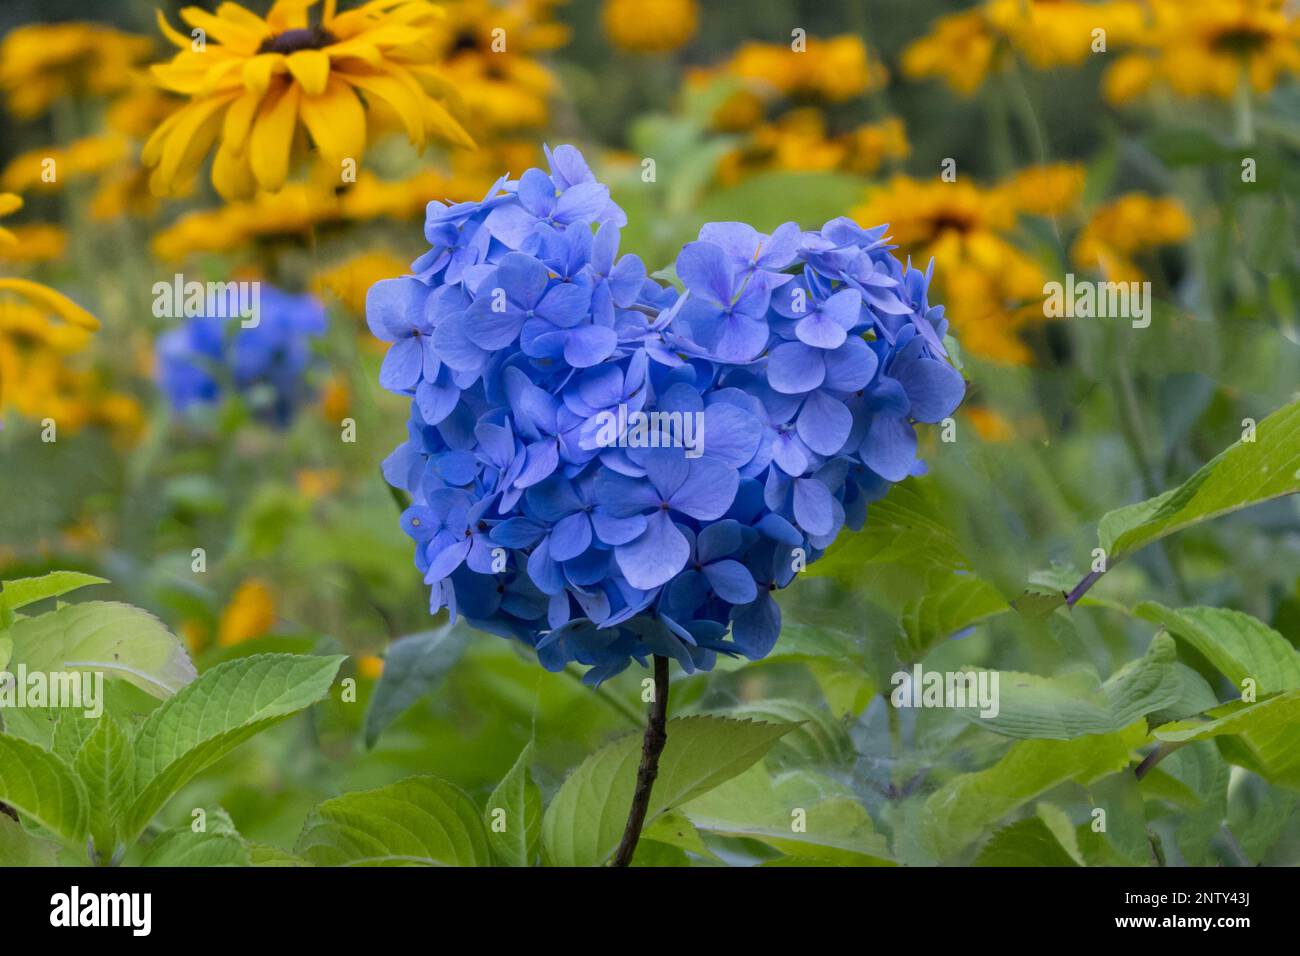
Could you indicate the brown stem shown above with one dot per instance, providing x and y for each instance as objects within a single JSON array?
[{"x": 656, "y": 735}]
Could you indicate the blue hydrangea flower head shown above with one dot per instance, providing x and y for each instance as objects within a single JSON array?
[
  {"x": 267, "y": 363},
  {"x": 605, "y": 467}
]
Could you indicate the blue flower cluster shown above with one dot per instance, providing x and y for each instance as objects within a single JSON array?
[
  {"x": 552, "y": 381},
  {"x": 267, "y": 363}
]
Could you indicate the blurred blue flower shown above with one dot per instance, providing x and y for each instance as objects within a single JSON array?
[{"x": 267, "y": 363}]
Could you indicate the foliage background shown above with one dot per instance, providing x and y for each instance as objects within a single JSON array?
[{"x": 1094, "y": 416}]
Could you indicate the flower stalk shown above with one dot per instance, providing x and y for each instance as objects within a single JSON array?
[{"x": 652, "y": 745}]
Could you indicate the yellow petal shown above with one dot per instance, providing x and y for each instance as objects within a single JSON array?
[
  {"x": 398, "y": 97},
  {"x": 311, "y": 68},
  {"x": 232, "y": 176},
  {"x": 273, "y": 136},
  {"x": 239, "y": 121},
  {"x": 190, "y": 140},
  {"x": 56, "y": 302},
  {"x": 259, "y": 70},
  {"x": 9, "y": 203},
  {"x": 336, "y": 121},
  {"x": 176, "y": 37}
]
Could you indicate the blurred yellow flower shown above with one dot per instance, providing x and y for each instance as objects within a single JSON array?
[
  {"x": 42, "y": 297},
  {"x": 314, "y": 483},
  {"x": 350, "y": 280},
  {"x": 871, "y": 145},
  {"x": 795, "y": 142},
  {"x": 1125, "y": 226},
  {"x": 1046, "y": 190},
  {"x": 489, "y": 53},
  {"x": 335, "y": 400},
  {"x": 650, "y": 26},
  {"x": 1209, "y": 48},
  {"x": 36, "y": 242},
  {"x": 44, "y": 62},
  {"x": 963, "y": 48},
  {"x": 991, "y": 288},
  {"x": 250, "y": 613},
  {"x": 370, "y": 666},
  {"x": 988, "y": 424},
  {"x": 257, "y": 85},
  {"x": 834, "y": 70},
  {"x": 50, "y": 168}
]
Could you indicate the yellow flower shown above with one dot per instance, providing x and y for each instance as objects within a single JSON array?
[
  {"x": 41, "y": 63},
  {"x": 50, "y": 168},
  {"x": 872, "y": 144},
  {"x": 37, "y": 242},
  {"x": 1124, "y": 227},
  {"x": 795, "y": 142},
  {"x": 650, "y": 26},
  {"x": 959, "y": 49},
  {"x": 1209, "y": 48},
  {"x": 489, "y": 51},
  {"x": 964, "y": 48},
  {"x": 988, "y": 424},
  {"x": 370, "y": 666},
  {"x": 1045, "y": 190},
  {"x": 991, "y": 288},
  {"x": 833, "y": 70},
  {"x": 250, "y": 613},
  {"x": 257, "y": 84},
  {"x": 335, "y": 400},
  {"x": 42, "y": 297},
  {"x": 350, "y": 280},
  {"x": 313, "y": 483}
]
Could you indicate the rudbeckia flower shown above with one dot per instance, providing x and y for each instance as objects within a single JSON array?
[
  {"x": 255, "y": 84},
  {"x": 34, "y": 293}
]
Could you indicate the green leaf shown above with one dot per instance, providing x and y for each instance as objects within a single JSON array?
[
  {"x": 418, "y": 821},
  {"x": 21, "y": 848},
  {"x": 952, "y": 602},
  {"x": 818, "y": 738},
  {"x": 1268, "y": 731},
  {"x": 514, "y": 814},
  {"x": 106, "y": 765},
  {"x": 117, "y": 639},
  {"x": 585, "y": 821},
  {"x": 41, "y": 786},
  {"x": 219, "y": 844},
  {"x": 800, "y": 814},
  {"x": 413, "y": 667},
  {"x": 1246, "y": 473},
  {"x": 209, "y": 718},
  {"x": 1238, "y": 645},
  {"x": 23, "y": 591},
  {"x": 6, "y": 650},
  {"x": 767, "y": 200},
  {"x": 1027, "y": 842},
  {"x": 963, "y": 809},
  {"x": 907, "y": 527},
  {"x": 1075, "y": 704},
  {"x": 672, "y": 828}
]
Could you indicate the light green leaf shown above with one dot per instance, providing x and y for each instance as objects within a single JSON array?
[
  {"x": 672, "y": 828},
  {"x": 106, "y": 765},
  {"x": 18, "y": 847},
  {"x": 413, "y": 666},
  {"x": 585, "y": 821},
  {"x": 1245, "y": 474},
  {"x": 6, "y": 650},
  {"x": 1268, "y": 731},
  {"x": 818, "y": 737},
  {"x": 514, "y": 813},
  {"x": 41, "y": 786},
  {"x": 209, "y": 718},
  {"x": 1027, "y": 842},
  {"x": 117, "y": 639},
  {"x": 218, "y": 845},
  {"x": 1075, "y": 704},
  {"x": 418, "y": 821},
  {"x": 23, "y": 591},
  {"x": 952, "y": 602},
  {"x": 964, "y": 808},
  {"x": 1238, "y": 645},
  {"x": 801, "y": 814}
]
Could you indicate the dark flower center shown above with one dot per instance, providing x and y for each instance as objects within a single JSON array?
[
  {"x": 1240, "y": 40},
  {"x": 291, "y": 41}
]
